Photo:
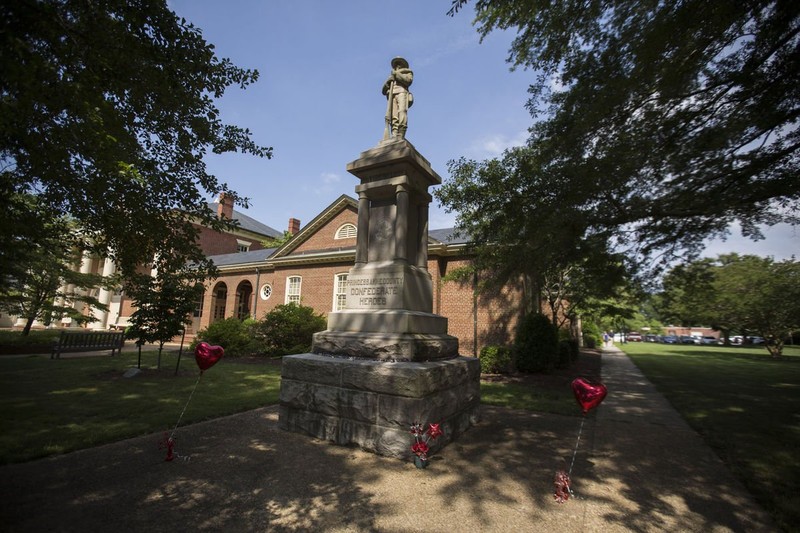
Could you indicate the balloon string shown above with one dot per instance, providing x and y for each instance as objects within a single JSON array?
[
  {"x": 574, "y": 453},
  {"x": 185, "y": 406}
]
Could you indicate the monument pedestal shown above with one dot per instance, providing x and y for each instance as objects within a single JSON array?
[{"x": 372, "y": 403}]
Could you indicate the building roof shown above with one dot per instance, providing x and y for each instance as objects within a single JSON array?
[
  {"x": 240, "y": 258},
  {"x": 445, "y": 240},
  {"x": 248, "y": 223},
  {"x": 448, "y": 236}
]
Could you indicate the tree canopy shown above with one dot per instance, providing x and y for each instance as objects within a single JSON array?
[
  {"x": 106, "y": 111},
  {"x": 660, "y": 123},
  {"x": 745, "y": 294},
  {"x": 42, "y": 282},
  {"x": 540, "y": 239}
]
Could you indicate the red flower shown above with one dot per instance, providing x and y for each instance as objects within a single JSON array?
[
  {"x": 420, "y": 448},
  {"x": 434, "y": 430}
]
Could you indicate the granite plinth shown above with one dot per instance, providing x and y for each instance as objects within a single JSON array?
[
  {"x": 372, "y": 404},
  {"x": 386, "y": 346}
]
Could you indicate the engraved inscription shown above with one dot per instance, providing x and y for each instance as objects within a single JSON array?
[{"x": 374, "y": 292}]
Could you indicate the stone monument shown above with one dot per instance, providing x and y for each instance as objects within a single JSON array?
[{"x": 385, "y": 361}]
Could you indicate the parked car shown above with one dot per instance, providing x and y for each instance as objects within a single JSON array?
[
  {"x": 634, "y": 336},
  {"x": 652, "y": 338},
  {"x": 709, "y": 339},
  {"x": 670, "y": 339},
  {"x": 688, "y": 339},
  {"x": 738, "y": 340}
]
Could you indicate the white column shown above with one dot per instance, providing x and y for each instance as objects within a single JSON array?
[
  {"x": 104, "y": 297},
  {"x": 85, "y": 268}
]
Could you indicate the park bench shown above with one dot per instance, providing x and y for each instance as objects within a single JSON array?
[{"x": 88, "y": 341}]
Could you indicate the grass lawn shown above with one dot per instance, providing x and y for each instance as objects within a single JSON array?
[
  {"x": 746, "y": 406},
  {"x": 56, "y": 406},
  {"x": 50, "y": 407},
  {"x": 547, "y": 393}
]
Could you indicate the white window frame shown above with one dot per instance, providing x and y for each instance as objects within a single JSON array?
[
  {"x": 339, "y": 291},
  {"x": 346, "y": 231},
  {"x": 242, "y": 246},
  {"x": 292, "y": 294}
]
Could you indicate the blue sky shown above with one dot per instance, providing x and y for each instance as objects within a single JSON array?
[{"x": 318, "y": 102}]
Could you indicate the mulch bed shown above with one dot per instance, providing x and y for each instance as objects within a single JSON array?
[{"x": 587, "y": 366}]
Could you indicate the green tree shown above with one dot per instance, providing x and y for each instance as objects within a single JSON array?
[
  {"x": 106, "y": 111},
  {"x": 42, "y": 282},
  {"x": 759, "y": 295},
  {"x": 742, "y": 293},
  {"x": 519, "y": 235},
  {"x": 163, "y": 302},
  {"x": 688, "y": 296},
  {"x": 574, "y": 289},
  {"x": 662, "y": 122}
]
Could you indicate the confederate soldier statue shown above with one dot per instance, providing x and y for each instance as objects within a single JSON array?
[{"x": 399, "y": 99}]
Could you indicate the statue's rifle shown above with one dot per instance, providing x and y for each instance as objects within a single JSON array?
[{"x": 389, "y": 99}]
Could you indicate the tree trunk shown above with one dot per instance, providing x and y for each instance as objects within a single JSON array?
[
  {"x": 27, "y": 329},
  {"x": 775, "y": 348}
]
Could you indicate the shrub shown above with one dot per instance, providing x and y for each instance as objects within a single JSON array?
[
  {"x": 568, "y": 349},
  {"x": 16, "y": 338},
  {"x": 592, "y": 336},
  {"x": 288, "y": 329},
  {"x": 495, "y": 359},
  {"x": 536, "y": 345},
  {"x": 233, "y": 334}
]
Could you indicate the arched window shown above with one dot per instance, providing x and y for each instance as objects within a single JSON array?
[
  {"x": 218, "y": 301},
  {"x": 346, "y": 231},
  {"x": 244, "y": 293}
]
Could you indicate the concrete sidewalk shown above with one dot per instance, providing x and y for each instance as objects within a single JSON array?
[
  {"x": 652, "y": 472},
  {"x": 638, "y": 468}
]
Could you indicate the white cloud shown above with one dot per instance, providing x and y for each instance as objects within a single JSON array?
[
  {"x": 330, "y": 178},
  {"x": 494, "y": 145}
]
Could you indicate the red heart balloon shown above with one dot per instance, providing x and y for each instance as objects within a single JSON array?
[
  {"x": 207, "y": 355},
  {"x": 589, "y": 395}
]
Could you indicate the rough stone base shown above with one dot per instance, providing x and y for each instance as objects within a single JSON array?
[
  {"x": 372, "y": 404},
  {"x": 386, "y": 346}
]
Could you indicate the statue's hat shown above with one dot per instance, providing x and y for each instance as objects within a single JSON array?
[{"x": 399, "y": 62}]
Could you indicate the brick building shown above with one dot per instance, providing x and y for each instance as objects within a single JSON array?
[
  {"x": 311, "y": 268},
  {"x": 247, "y": 238},
  {"x": 250, "y": 235}
]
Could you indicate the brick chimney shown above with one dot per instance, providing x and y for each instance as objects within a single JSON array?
[
  {"x": 225, "y": 206},
  {"x": 294, "y": 226}
]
